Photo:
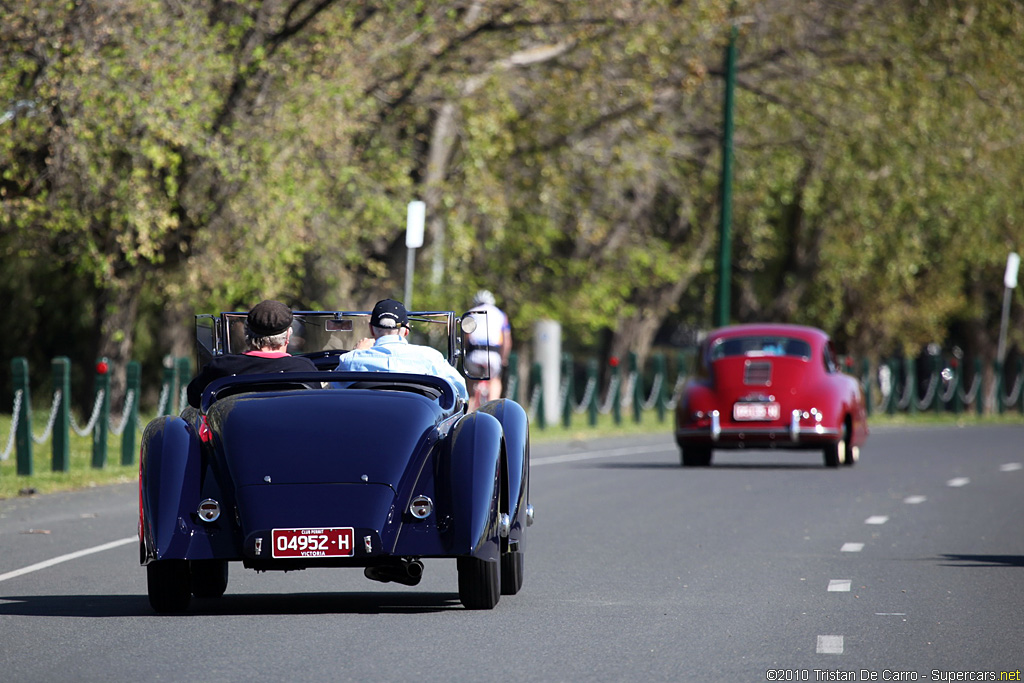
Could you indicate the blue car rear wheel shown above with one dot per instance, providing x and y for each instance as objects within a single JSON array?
[
  {"x": 479, "y": 583},
  {"x": 169, "y": 585}
]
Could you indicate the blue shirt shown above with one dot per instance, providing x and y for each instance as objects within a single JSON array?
[{"x": 393, "y": 353}]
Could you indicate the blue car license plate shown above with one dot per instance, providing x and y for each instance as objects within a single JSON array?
[{"x": 333, "y": 542}]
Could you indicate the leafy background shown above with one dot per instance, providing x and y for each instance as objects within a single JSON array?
[{"x": 162, "y": 158}]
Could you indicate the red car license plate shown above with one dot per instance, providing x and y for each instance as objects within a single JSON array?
[
  {"x": 744, "y": 412},
  {"x": 337, "y": 542}
]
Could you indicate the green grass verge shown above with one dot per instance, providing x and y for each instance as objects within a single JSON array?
[{"x": 82, "y": 474}]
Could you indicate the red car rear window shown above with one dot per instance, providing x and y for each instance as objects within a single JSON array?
[{"x": 760, "y": 346}]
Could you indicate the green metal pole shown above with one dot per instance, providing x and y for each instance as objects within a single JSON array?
[
  {"x": 722, "y": 303},
  {"x": 61, "y": 368},
  {"x": 23, "y": 436},
  {"x": 133, "y": 383},
  {"x": 99, "y": 430}
]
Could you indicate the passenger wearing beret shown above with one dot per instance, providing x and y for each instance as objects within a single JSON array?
[
  {"x": 268, "y": 328},
  {"x": 389, "y": 350}
]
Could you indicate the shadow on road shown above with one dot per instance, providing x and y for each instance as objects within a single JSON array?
[
  {"x": 94, "y": 606},
  {"x": 984, "y": 560},
  {"x": 714, "y": 466}
]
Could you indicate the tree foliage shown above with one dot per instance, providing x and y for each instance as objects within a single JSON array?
[{"x": 162, "y": 158}]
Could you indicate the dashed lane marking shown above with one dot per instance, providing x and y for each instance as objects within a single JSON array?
[
  {"x": 914, "y": 500},
  {"x": 958, "y": 482},
  {"x": 839, "y": 585},
  {"x": 1010, "y": 467},
  {"x": 876, "y": 519},
  {"x": 852, "y": 548},
  {"x": 830, "y": 645}
]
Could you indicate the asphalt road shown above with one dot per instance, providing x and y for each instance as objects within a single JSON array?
[{"x": 766, "y": 566}]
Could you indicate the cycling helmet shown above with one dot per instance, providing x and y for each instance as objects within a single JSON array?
[{"x": 483, "y": 297}]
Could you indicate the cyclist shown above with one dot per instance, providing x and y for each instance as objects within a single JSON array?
[{"x": 489, "y": 347}]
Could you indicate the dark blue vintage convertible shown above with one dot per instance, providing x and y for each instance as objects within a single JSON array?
[{"x": 328, "y": 469}]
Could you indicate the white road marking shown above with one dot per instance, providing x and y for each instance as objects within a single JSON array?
[
  {"x": 959, "y": 481},
  {"x": 914, "y": 500},
  {"x": 839, "y": 585},
  {"x": 851, "y": 548},
  {"x": 830, "y": 645},
  {"x": 64, "y": 558},
  {"x": 593, "y": 455},
  {"x": 876, "y": 519},
  {"x": 1010, "y": 467},
  {"x": 890, "y": 614}
]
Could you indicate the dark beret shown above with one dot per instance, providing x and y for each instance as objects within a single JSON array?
[{"x": 268, "y": 318}]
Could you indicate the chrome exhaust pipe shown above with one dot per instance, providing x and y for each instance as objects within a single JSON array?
[{"x": 407, "y": 572}]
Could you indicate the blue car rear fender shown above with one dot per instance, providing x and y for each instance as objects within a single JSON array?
[
  {"x": 516, "y": 434},
  {"x": 169, "y": 484},
  {"x": 474, "y": 481}
]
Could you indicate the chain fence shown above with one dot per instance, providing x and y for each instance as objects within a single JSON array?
[
  {"x": 927, "y": 383},
  {"x": 61, "y": 421},
  {"x": 890, "y": 386}
]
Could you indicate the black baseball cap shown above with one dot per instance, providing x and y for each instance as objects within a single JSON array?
[{"x": 389, "y": 313}]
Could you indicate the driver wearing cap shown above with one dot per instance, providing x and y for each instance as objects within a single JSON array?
[{"x": 389, "y": 351}]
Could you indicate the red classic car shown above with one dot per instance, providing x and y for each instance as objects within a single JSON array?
[{"x": 770, "y": 386}]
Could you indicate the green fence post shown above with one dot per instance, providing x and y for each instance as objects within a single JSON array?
[
  {"x": 911, "y": 366},
  {"x": 958, "y": 385},
  {"x": 23, "y": 436},
  {"x": 100, "y": 428},
  {"x": 61, "y": 368},
  {"x": 661, "y": 379},
  {"x": 570, "y": 389},
  {"x": 890, "y": 405},
  {"x": 616, "y": 395},
  {"x": 184, "y": 376},
  {"x": 592, "y": 408},
  {"x": 167, "y": 385},
  {"x": 979, "y": 396},
  {"x": 1020, "y": 397},
  {"x": 133, "y": 383},
  {"x": 512, "y": 385},
  {"x": 638, "y": 387},
  {"x": 997, "y": 366},
  {"x": 535, "y": 384}
]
